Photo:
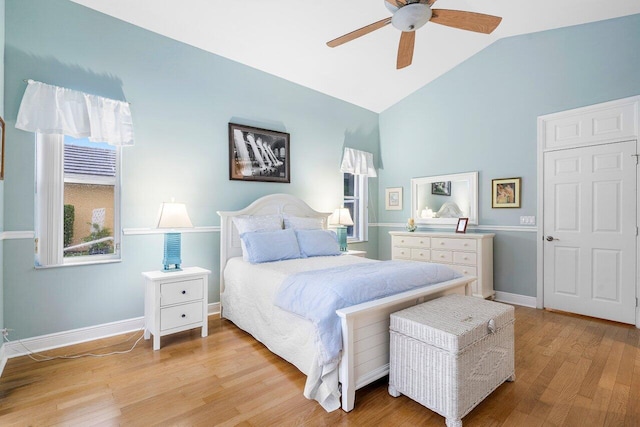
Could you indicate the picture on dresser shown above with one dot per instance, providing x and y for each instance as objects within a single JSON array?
[
  {"x": 441, "y": 188},
  {"x": 393, "y": 199},
  {"x": 462, "y": 225},
  {"x": 505, "y": 193},
  {"x": 258, "y": 154}
]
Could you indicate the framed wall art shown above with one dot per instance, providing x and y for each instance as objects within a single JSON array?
[
  {"x": 258, "y": 154},
  {"x": 393, "y": 199},
  {"x": 505, "y": 193}
]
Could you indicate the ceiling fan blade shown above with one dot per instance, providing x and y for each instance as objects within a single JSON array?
[
  {"x": 359, "y": 32},
  {"x": 405, "y": 49},
  {"x": 470, "y": 21}
]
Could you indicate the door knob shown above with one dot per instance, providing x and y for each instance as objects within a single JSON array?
[{"x": 551, "y": 239}]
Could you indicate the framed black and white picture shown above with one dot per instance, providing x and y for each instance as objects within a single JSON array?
[
  {"x": 258, "y": 154},
  {"x": 462, "y": 225}
]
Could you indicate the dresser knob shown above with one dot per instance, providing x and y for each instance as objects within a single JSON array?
[
  {"x": 184, "y": 315},
  {"x": 402, "y": 241},
  {"x": 465, "y": 258},
  {"x": 421, "y": 242},
  {"x": 441, "y": 256},
  {"x": 184, "y": 292},
  {"x": 442, "y": 243}
]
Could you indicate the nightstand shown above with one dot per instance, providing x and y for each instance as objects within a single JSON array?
[
  {"x": 175, "y": 302},
  {"x": 362, "y": 254}
]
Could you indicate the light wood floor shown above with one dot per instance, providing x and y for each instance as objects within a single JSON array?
[{"x": 570, "y": 370}]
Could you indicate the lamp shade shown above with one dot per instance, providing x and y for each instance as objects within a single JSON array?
[
  {"x": 341, "y": 216},
  {"x": 173, "y": 215}
]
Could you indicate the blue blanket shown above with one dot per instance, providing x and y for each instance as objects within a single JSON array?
[{"x": 316, "y": 295}]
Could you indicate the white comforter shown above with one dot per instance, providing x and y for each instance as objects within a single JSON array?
[{"x": 247, "y": 301}]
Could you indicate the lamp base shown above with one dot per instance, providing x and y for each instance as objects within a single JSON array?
[
  {"x": 171, "y": 253},
  {"x": 341, "y": 231}
]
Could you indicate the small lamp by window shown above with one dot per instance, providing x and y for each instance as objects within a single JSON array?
[
  {"x": 172, "y": 216},
  {"x": 341, "y": 218}
]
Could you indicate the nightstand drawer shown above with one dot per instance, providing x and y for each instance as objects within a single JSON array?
[
  {"x": 411, "y": 241},
  {"x": 180, "y": 315},
  {"x": 466, "y": 258},
  {"x": 441, "y": 256},
  {"x": 458, "y": 244},
  {"x": 421, "y": 254},
  {"x": 179, "y": 292}
]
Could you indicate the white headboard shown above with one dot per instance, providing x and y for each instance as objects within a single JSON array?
[{"x": 268, "y": 205}]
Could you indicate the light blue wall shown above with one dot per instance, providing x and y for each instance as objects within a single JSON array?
[
  {"x": 482, "y": 116},
  {"x": 2, "y": 25},
  {"x": 182, "y": 101}
]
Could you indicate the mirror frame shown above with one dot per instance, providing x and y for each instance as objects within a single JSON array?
[{"x": 472, "y": 177}]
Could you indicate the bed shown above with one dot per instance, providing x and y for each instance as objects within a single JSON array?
[{"x": 246, "y": 298}]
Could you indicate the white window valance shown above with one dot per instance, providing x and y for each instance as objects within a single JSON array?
[
  {"x": 54, "y": 110},
  {"x": 358, "y": 163}
]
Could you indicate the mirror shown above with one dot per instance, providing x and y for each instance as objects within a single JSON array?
[{"x": 443, "y": 199}]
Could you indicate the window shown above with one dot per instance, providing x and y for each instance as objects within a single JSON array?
[
  {"x": 355, "y": 199},
  {"x": 77, "y": 201}
]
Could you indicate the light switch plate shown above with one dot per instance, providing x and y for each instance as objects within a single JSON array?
[{"x": 527, "y": 220}]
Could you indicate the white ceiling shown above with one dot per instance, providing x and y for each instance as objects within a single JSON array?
[{"x": 287, "y": 38}]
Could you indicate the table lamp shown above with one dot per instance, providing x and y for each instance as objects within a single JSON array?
[
  {"x": 341, "y": 218},
  {"x": 172, "y": 216}
]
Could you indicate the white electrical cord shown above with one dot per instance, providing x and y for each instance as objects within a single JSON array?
[{"x": 44, "y": 358}]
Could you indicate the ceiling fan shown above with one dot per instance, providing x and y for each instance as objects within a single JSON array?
[{"x": 409, "y": 15}]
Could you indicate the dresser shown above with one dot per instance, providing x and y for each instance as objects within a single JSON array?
[
  {"x": 470, "y": 254},
  {"x": 175, "y": 301}
]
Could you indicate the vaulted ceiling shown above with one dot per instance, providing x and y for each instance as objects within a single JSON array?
[{"x": 287, "y": 38}]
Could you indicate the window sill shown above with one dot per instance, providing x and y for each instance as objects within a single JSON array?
[{"x": 79, "y": 263}]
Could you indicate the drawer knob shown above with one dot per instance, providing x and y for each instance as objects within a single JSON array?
[
  {"x": 442, "y": 243},
  {"x": 421, "y": 242},
  {"x": 465, "y": 258},
  {"x": 402, "y": 241},
  {"x": 184, "y": 292},
  {"x": 421, "y": 254},
  {"x": 183, "y": 316},
  {"x": 441, "y": 256}
]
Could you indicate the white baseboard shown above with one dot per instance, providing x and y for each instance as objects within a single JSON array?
[
  {"x": 516, "y": 299},
  {"x": 76, "y": 336}
]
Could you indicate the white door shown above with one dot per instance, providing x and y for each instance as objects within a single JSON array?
[{"x": 590, "y": 230}]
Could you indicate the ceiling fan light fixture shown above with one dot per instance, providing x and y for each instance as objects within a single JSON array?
[{"x": 411, "y": 17}]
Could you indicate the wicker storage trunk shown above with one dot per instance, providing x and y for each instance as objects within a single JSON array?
[{"x": 450, "y": 353}]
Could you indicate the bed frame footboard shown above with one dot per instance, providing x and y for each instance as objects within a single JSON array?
[{"x": 365, "y": 334}]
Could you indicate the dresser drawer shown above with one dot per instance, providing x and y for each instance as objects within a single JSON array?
[
  {"x": 467, "y": 258},
  {"x": 180, "y": 315},
  {"x": 465, "y": 269},
  {"x": 179, "y": 292},
  {"x": 411, "y": 241},
  {"x": 400, "y": 253},
  {"x": 441, "y": 256},
  {"x": 456, "y": 244},
  {"x": 421, "y": 254}
]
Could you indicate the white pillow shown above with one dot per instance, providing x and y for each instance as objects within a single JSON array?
[
  {"x": 255, "y": 223},
  {"x": 303, "y": 223}
]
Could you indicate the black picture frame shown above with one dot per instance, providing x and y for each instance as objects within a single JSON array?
[
  {"x": 258, "y": 154},
  {"x": 462, "y": 225},
  {"x": 441, "y": 188}
]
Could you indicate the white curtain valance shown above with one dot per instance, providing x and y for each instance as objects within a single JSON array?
[
  {"x": 48, "y": 110},
  {"x": 358, "y": 163}
]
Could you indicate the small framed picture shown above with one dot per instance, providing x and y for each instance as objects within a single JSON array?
[
  {"x": 505, "y": 193},
  {"x": 393, "y": 199},
  {"x": 462, "y": 225}
]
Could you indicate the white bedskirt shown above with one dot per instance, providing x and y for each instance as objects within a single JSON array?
[{"x": 247, "y": 301}]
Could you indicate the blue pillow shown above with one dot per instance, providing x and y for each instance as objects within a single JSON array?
[
  {"x": 318, "y": 243},
  {"x": 266, "y": 246}
]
